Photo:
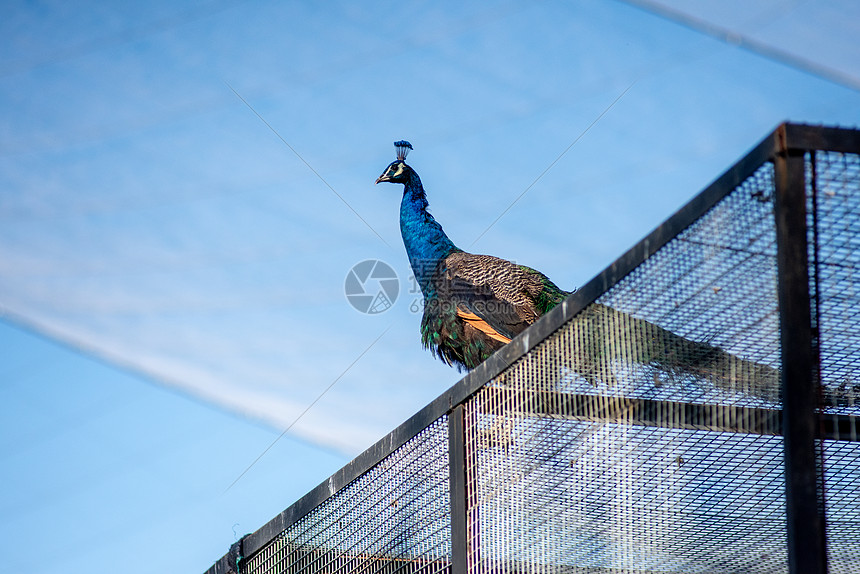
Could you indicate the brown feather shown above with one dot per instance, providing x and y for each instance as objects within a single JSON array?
[{"x": 481, "y": 325}]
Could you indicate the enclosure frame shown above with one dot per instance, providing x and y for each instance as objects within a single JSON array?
[{"x": 802, "y": 427}]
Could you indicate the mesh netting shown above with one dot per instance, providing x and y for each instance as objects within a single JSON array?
[
  {"x": 661, "y": 452},
  {"x": 834, "y": 213},
  {"x": 834, "y": 216},
  {"x": 643, "y": 436},
  {"x": 696, "y": 322},
  {"x": 394, "y": 518},
  {"x": 566, "y": 495}
]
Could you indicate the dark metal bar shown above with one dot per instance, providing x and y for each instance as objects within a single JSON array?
[
  {"x": 222, "y": 566},
  {"x": 807, "y": 552},
  {"x": 230, "y": 563},
  {"x": 806, "y": 137},
  {"x": 459, "y": 510},
  {"x": 654, "y": 413}
]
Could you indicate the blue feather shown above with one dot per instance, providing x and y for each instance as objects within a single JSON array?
[{"x": 425, "y": 240}]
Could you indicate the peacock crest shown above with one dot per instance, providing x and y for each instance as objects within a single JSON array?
[{"x": 403, "y": 148}]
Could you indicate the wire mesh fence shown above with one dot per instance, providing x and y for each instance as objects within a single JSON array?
[
  {"x": 833, "y": 219},
  {"x": 642, "y": 426},
  {"x": 393, "y": 518}
]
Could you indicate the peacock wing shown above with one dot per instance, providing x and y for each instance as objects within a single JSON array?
[{"x": 493, "y": 295}]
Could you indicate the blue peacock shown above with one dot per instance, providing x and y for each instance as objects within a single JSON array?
[{"x": 475, "y": 304}]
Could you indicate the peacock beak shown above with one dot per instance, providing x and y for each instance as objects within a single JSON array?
[{"x": 381, "y": 178}]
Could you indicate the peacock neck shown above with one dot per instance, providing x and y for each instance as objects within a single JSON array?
[{"x": 425, "y": 241}]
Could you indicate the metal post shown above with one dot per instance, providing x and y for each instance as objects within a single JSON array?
[
  {"x": 457, "y": 464},
  {"x": 805, "y": 514}
]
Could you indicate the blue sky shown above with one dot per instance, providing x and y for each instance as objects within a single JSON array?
[{"x": 172, "y": 270}]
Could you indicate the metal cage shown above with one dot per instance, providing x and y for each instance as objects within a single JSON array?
[{"x": 694, "y": 408}]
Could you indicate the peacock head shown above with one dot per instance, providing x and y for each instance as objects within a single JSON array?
[{"x": 397, "y": 171}]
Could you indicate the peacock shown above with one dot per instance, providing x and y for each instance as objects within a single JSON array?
[{"x": 475, "y": 304}]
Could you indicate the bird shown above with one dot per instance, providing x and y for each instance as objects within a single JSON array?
[
  {"x": 476, "y": 304},
  {"x": 473, "y": 304}
]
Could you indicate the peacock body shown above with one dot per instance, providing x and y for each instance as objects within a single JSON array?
[{"x": 473, "y": 304}]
